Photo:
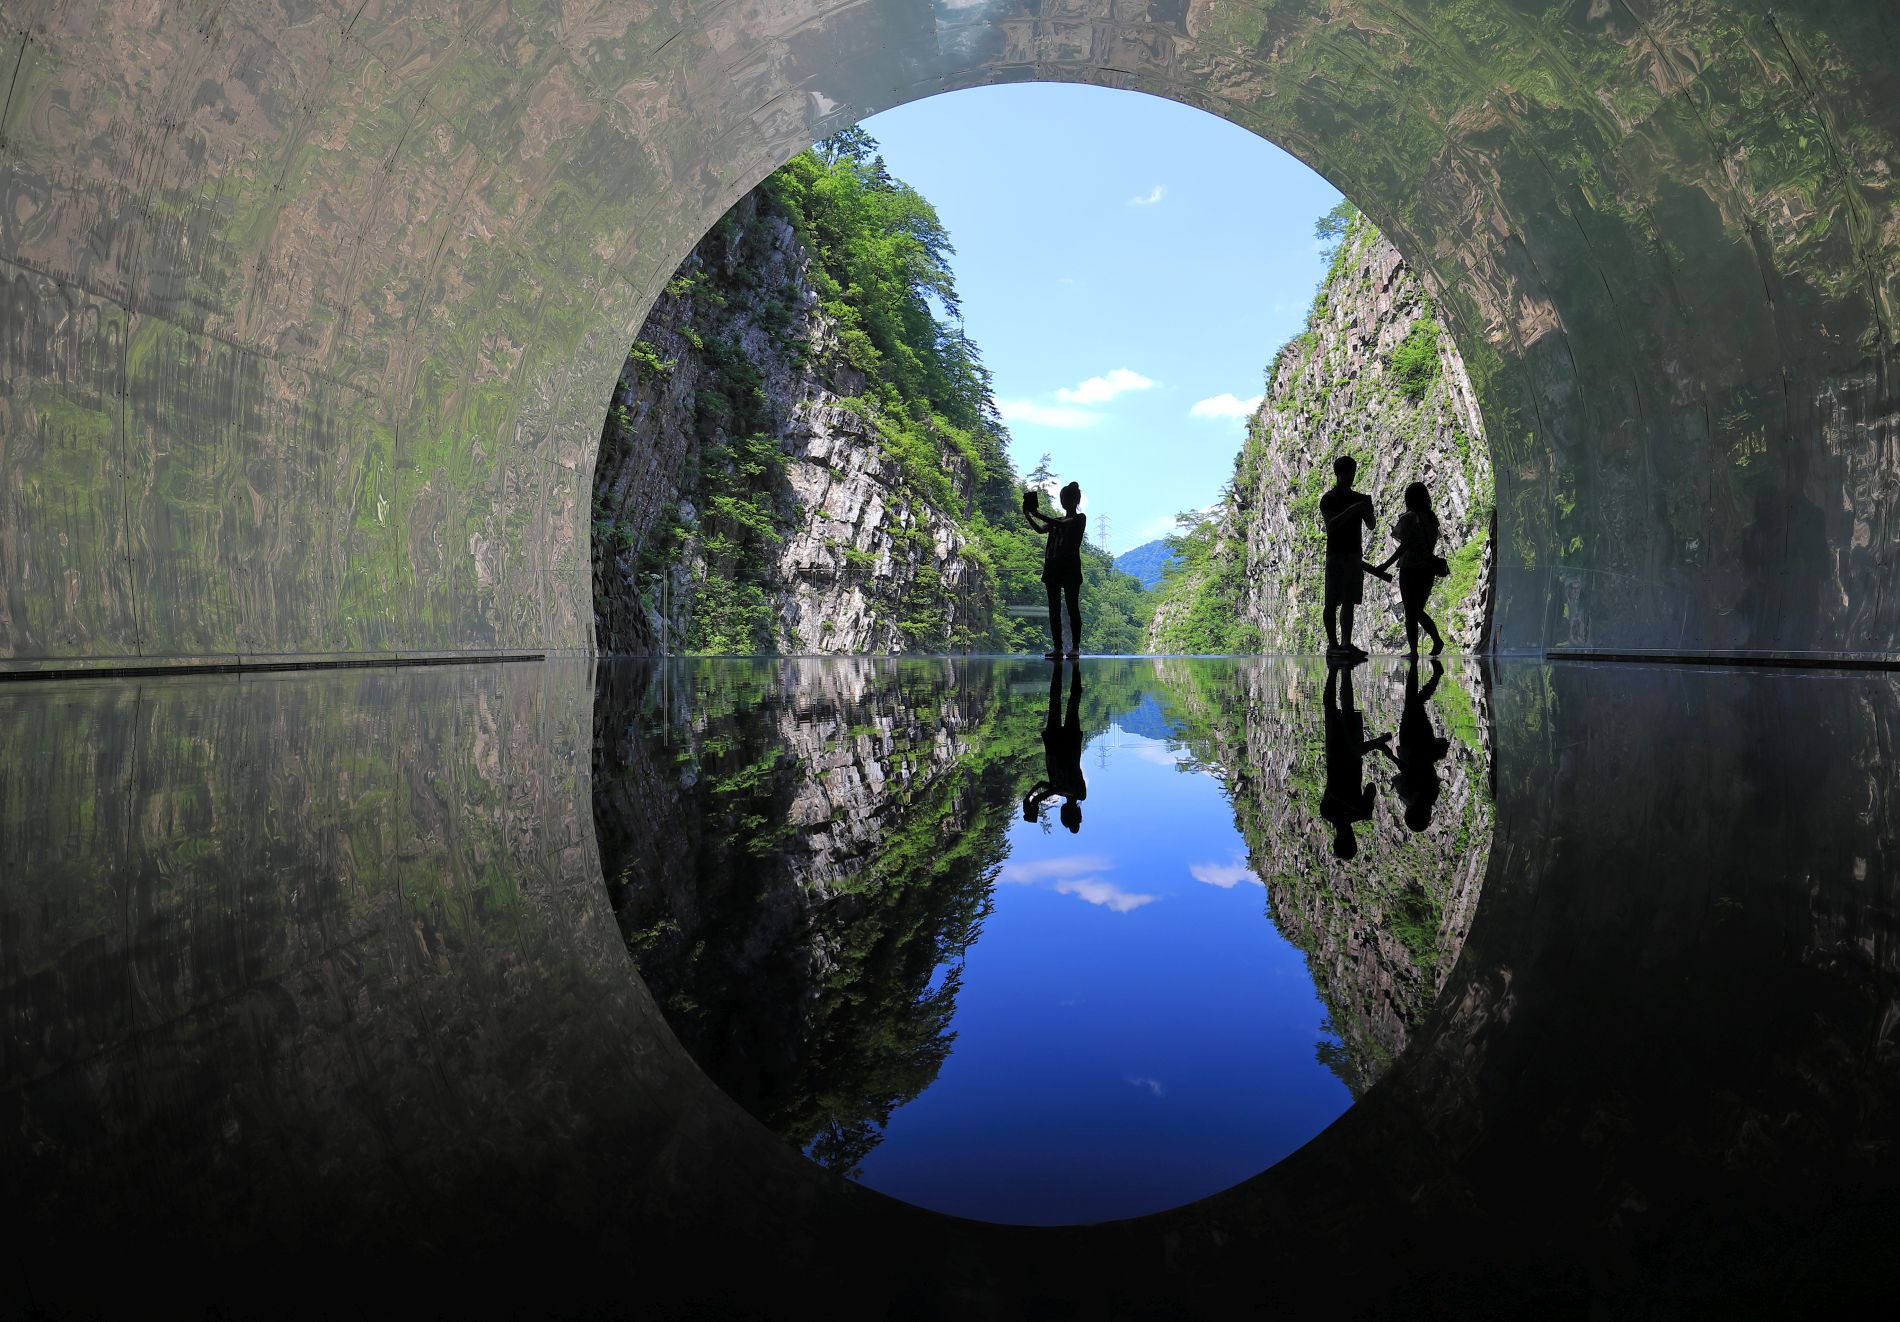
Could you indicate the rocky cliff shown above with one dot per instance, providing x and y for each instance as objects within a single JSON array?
[
  {"x": 1374, "y": 376},
  {"x": 738, "y": 440}
]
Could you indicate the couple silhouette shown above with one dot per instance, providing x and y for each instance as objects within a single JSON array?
[
  {"x": 1347, "y": 799},
  {"x": 1346, "y": 513}
]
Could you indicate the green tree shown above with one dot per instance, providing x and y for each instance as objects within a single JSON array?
[{"x": 1330, "y": 229}]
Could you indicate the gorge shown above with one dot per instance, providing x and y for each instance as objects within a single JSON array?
[{"x": 803, "y": 454}]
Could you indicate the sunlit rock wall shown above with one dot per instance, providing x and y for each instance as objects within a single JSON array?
[
  {"x": 311, "y": 311},
  {"x": 854, "y": 540},
  {"x": 1337, "y": 389}
]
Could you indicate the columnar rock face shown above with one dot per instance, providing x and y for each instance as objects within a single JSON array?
[
  {"x": 740, "y": 318},
  {"x": 1373, "y": 376}
]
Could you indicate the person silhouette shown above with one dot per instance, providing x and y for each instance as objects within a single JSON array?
[
  {"x": 1347, "y": 799},
  {"x": 1420, "y": 565},
  {"x": 1420, "y": 749},
  {"x": 1062, "y": 754},
  {"x": 1345, "y": 512},
  {"x": 1061, "y": 564}
]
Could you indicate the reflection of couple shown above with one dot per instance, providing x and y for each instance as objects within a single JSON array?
[
  {"x": 1062, "y": 754},
  {"x": 1347, "y": 799}
]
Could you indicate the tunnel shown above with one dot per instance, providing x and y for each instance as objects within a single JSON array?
[{"x": 311, "y": 312}]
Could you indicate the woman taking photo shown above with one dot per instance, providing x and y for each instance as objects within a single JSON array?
[{"x": 1061, "y": 564}]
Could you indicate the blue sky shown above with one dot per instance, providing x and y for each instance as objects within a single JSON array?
[{"x": 1128, "y": 267}]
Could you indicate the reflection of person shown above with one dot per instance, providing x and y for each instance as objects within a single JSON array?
[
  {"x": 1347, "y": 799},
  {"x": 1061, "y": 564},
  {"x": 1346, "y": 513},
  {"x": 1419, "y": 564},
  {"x": 1062, "y": 754},
  {"x": 1420, "y": 749}
]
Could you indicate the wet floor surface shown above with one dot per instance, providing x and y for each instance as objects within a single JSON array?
[{"x": 531, "y": 987}]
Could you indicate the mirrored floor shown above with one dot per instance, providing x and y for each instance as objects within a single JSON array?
[
  {"x": 528, "y": 989},
  {"x": 1048, "y": 944}
]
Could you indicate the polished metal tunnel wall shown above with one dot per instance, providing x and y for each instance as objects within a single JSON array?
[{"x": 312, "y": 307}]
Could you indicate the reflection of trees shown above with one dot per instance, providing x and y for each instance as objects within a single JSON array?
[
  {"x": 800, "y": 853},
  {"x": 1382, "y": 931}
]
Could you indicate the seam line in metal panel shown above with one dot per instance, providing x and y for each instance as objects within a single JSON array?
[{"x": 253, "y": 667}]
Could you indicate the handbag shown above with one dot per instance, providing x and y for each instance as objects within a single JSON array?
[{"x": 1439, "y": 568}]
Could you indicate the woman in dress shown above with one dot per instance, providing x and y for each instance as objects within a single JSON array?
[{"x": 1419, "y": 564}]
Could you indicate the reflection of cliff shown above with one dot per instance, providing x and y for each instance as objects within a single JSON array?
[
  {"x": 800, "y": 851},
  {"x": 820, "y": 858},
  {"x": 1381, "y": 931}
]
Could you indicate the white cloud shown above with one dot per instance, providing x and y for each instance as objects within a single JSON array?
[
  {"x": 1153, "y": 1086},
  {"x": 1225, "y": 875},
  {"x": 1149, "y": 198},
  {"x": 1101, "y": 389},
  {"x": 1153, "y": 750},
  {"x": 1224, "y": 405},
  {"x": 1027, "y": 874},
  {"x": 1045, "y": 415},
  {"x": 1109, "y": 896}
]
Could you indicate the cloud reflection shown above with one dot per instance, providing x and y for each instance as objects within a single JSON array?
[
  {"x": 1106, "y": 894},
  {"x": 1225, "y": 875},
  {"x": 1069, "y": 865}
]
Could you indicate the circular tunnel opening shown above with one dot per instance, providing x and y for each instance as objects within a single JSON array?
[{"x": 888, "y": 918}]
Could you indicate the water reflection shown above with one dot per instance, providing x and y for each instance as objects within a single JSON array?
[
  {"x": 821, "y": 877},
  {"x": 1062, "y": 754},
  {"x": 312, "y": 979}
]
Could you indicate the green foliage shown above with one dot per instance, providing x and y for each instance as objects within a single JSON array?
[
  {"x": 740, "y": 527},
  {"x": 1331, "y": 228},
  {"x": 1203, "y": 591},
  {"x": 646, "y": 360},
  {"x": 880, "y": 272},
  {"x": 1415, "y": 359},
  {"x": 1465, "y": 563},
  {"x": 1115, "y": 607}
]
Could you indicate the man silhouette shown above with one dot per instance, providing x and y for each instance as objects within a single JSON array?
[
  {"x": 1347, "y": 514},
  {"x": 1062, "y": 754},
  {"x": 1347, "y": 799}
]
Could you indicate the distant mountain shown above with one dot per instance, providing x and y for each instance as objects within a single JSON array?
[
  {"x": 1146, "y": 562},
  {"x": 1148, "y": 720}
]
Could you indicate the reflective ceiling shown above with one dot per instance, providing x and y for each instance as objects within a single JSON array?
[{"x": 311, "y": 307}]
